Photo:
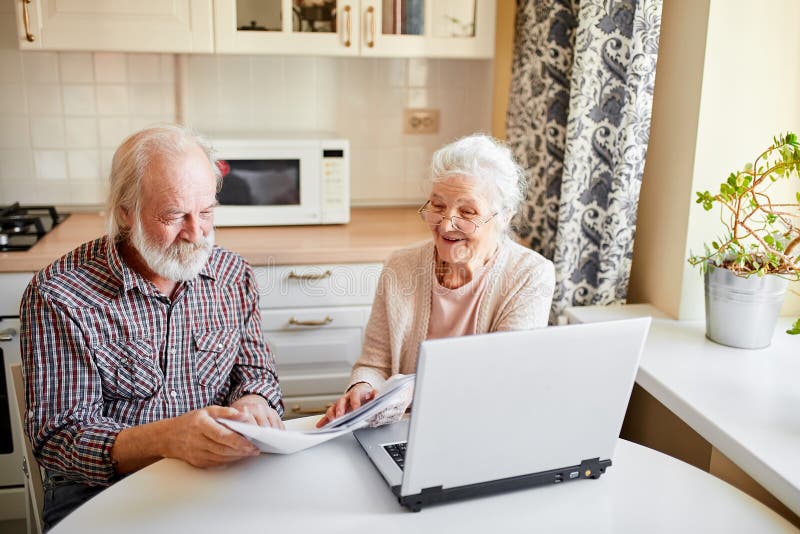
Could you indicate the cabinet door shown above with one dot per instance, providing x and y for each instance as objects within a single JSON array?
[
  {"x": 324, "y": 27},
  {"x": 428, "y": 28},
  {"x": 123, "y": 25}
]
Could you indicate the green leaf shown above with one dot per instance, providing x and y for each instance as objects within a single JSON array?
[
  {"x": 768, "y": 239},
  {"x": 795, "y": 329},
  {"x": 771, "y": 218}
]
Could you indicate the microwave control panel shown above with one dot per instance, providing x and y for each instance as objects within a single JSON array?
[{"x": 335, "y": 185}]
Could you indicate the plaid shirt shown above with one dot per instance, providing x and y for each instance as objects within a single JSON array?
[{"x": 103, "y": 350}]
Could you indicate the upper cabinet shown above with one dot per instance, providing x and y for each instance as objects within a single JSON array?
[
  {"x": 378, "y": 28},
  {"x": 122, "y": 25}
]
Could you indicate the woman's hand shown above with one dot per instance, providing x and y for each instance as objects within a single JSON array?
[{"x": 352, "y": 399}]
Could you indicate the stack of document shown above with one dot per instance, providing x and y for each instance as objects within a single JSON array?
[{"x": 389, "y": 404}]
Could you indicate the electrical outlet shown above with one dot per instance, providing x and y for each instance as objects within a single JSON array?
[{"x": 420, "y": 121}]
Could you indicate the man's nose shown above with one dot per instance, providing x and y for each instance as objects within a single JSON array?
[{"x": 192, "y": 231}]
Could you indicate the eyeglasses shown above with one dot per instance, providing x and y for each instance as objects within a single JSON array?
[{"x": 467, "y": 226}]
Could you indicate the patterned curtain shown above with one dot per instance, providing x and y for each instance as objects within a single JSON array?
[{"x": 578, "y": 122}]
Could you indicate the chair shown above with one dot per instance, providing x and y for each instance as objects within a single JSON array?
[{"x": 33, "y": 474}]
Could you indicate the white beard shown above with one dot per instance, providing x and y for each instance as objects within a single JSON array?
[{"x": 180, "y": 261}]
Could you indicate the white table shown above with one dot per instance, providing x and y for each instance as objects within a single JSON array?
[
  {"x": 746, "y": 403},
  {"x": 334, "y": 488}
]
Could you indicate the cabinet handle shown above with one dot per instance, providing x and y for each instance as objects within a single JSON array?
[
  {"x": 371, "y": 15},
  {"x": 28, "y": 35},
  {"x": 326, "y": 320},
  {"x": 347, "y": 26},
  {"x": 297, "y": 409},
  {"x": 8, "y": 334},
  {"x": 294, "y": 276}
]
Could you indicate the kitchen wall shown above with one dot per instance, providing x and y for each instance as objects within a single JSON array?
[
  {"x": 63, "y": 113},
  {"x": 727, "y": 81},
  {"x": 360, "y": 99}
]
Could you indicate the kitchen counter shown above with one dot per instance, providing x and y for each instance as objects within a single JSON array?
[{"x": 371, "y": 235}]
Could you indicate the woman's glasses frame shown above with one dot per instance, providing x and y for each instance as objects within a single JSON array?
[{"x": 467, "y": 226}]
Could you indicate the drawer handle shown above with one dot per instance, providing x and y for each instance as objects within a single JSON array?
[
  {"x": 297, "y": 409},
  {"x": 310, "y": 276},
  {"x": 8, "y": 334},
  {"x": 326, "y": 320}
]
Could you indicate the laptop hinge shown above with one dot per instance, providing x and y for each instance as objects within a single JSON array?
[{"x": 591, "y": 468}]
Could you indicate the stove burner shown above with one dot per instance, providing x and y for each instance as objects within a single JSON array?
[{"x": 22, "y": 226}]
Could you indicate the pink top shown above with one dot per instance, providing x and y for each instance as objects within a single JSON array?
[{"x": 454, "y": 312}]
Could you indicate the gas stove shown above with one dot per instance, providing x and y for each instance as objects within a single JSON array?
[{"x": 22, "y": 226}]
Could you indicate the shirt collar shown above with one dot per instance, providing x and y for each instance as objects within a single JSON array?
[{"x": 130, "y": 279}]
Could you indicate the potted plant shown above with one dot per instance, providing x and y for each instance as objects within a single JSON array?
[{"x": 747, "y": 269}]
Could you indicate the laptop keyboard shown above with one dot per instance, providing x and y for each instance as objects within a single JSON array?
[{"x": 398, "y": 453}]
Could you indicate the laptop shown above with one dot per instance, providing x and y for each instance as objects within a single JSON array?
[{"x": 510, "y": 410}]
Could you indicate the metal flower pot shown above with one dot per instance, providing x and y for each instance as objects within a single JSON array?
[{"x": 742, "y": 312}]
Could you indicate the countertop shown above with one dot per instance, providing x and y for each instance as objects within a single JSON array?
[
  {"x": 371, "y": 235},
  {"x": 743, "y": 402}
]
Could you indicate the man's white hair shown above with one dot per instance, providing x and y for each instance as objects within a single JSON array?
[{"x": 134, "y": 159}]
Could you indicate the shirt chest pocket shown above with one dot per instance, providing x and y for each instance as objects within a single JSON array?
[
  {"x": 215, "y": 353},
  {"x": 128, "y": 369}
]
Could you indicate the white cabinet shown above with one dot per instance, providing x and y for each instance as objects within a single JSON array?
[
  {"x": 375, "y": 28},
  {"x": 124, "y": 25},
  {"x": 12, "y": 286},
  {"x": 313, "y": 317}
]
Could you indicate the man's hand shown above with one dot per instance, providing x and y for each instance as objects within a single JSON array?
[
  {"x": 198, "y": 439},
  {"x": 352, "y": 399},
  {"x": 257, "y": 410}
]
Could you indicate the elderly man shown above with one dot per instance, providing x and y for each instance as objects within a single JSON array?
[{"x": 133, "y": 344}]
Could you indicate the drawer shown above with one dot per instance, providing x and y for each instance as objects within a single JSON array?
[
  {"x": 291, "y": 286},
  {"x": 305, "y": 319},
  {"x": 304, "y": 406}
]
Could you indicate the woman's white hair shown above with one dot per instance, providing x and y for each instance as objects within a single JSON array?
[
  {"x": 490, "y": 163},
  {"x": 133, "y": 160}
]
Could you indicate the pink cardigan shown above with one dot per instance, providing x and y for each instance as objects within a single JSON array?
[{"x": 518, "y": 296}]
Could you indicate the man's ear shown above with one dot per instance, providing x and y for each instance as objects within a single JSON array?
[{"x": 126, "y": 214}]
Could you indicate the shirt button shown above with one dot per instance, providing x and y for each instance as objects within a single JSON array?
[
  {"x": 219, "y": 346},
  {"x": 173, "y": 394}
]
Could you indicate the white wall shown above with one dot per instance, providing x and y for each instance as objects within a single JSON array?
[
  {"x": 708, "y": 120},
  {"x": 62, "y": 114}
]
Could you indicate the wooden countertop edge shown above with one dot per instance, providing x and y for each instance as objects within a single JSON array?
[{"x": 370, "y": 237}]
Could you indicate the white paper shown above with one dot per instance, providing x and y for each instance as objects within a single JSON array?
[{"x": 390, "y": 403}]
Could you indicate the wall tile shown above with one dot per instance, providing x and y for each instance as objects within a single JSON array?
[
  {"x": 40, "y": 67},
  {"x": 50, "y": 164},
  {"x": 112, "y": 100},
  {"x": 16, "y": 164},
  {"x": 423, "y": 72},
  {"x": 83, "y": 164},
  {"x": 146, "y": 99},
  {"x": 44, "y": 99},
  {"x": 11, "y": 66},
  {"x": 168, "y": 67},
  {"x": 47, "y": 132},
  {"x": 113, "y": 130},
  {"x": 80, "y": 132},
  {"x": 22, "y": 191},
  {"x": 79, "y": 99},
  {"x": 90, "y": 192},
  {"x": 144, "y": 68},
  {"x": 14, "y": 132},
  {"x": 110, "y": 67},
  {"x": 76, "y": 67},
  {"x": 13, "y": 99}
]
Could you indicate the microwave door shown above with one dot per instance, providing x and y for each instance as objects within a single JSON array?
[{"x": 275, "y": 190}]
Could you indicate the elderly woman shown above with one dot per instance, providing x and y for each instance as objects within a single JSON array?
[{"x": 471, "y": 278}]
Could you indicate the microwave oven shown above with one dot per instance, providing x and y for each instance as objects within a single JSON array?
[{"x": 282, "y": 181}]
